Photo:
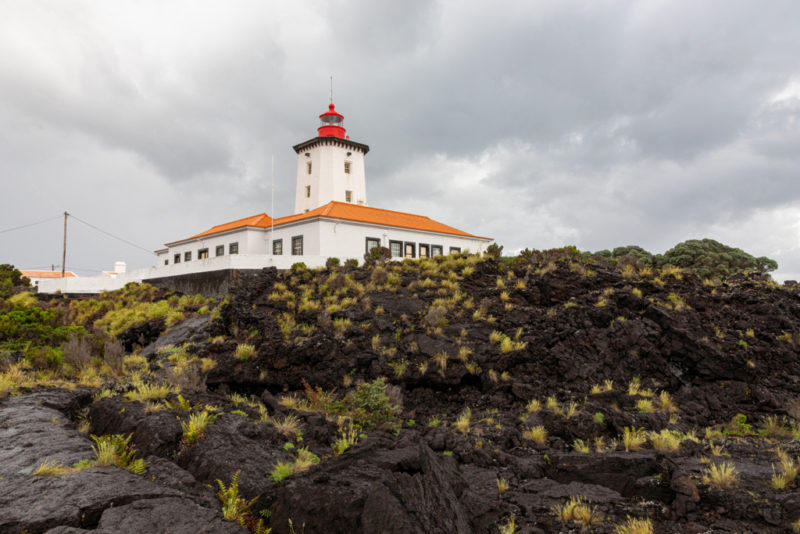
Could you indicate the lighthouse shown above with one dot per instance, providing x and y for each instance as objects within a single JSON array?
[{"x": 330, "y": 167}]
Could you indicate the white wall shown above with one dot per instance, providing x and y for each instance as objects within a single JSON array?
[
  {"x": 321, "y": 239},
  {"x": 251, "y": 241},
  {"x": 95, "y": 284},
  {"x": 345, "y": 239}
]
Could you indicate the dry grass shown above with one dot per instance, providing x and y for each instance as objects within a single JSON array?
[
  {"x": 635, "y": 526},
  {"x": 145, "y": 392},
  {"x": 579, "y": 445},
  {"x": 666, "y": 440},
  {"x": 509, "y": 527},
  {"x": 51, "y": 468},
  {"x": 578, "y": 510},
  {"x": 462, "y": 422},
  {"x": 536, "y": 433},
  {"x": 786, "y": 477},
  {"x": 502, "y": 485},
  {"x": 722, "y": 476},
  {"x": 288, "y": 426},
  {"x": 245, "y": 351},
  {"x": 533, "y": 406},
  {"x": 633, "y": 438}
]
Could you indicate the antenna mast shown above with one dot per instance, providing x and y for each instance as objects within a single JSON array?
[
  {"x": 272, "y": 209},
  {"x": 331, "y": 89},
  {"x": 64, "y": 248}
]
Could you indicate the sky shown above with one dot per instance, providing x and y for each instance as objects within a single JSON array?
[{"x": 541, "y": 124}]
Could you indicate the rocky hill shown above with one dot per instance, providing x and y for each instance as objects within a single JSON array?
[{"x": 551, "y": 393}]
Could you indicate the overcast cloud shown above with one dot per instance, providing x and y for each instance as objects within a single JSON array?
[{"x": 540, "y": 124}]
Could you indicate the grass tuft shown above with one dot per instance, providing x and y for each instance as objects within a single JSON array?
[
  {"x": 722, "y": 476},
  {"x": 245, "y": 351},
  {"x": 635, "y": 526},
  {"x": 536, "y": 433}
]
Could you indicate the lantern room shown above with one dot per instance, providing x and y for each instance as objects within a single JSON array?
[{"x": 331, "y": 123}]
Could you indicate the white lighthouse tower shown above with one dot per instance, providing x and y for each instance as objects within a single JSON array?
[{"x": 330, "y": 166}]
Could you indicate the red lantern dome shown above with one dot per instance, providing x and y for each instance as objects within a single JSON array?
[{"x": 331, "y": 124}]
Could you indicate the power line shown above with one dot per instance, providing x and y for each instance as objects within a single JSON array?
[
  {"x": 110, "y": 234},
  {"x": 29, "y": 225}
]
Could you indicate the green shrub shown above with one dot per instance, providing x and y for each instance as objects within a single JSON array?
[
  {"x": 11, "y": 280},
  {"x": 738, "y": 426},
  {"x": 370, "y": 405}
]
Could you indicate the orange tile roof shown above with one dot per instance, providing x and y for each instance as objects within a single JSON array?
[
  {"x": 47, "y": 274},
  {"x": 262, "y": 220},
  {"x": 346, "y": 212},
  {"x": 366, "y": 214}
]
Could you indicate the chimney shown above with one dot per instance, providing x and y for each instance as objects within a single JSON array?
[{"x": 120, "y": 267}]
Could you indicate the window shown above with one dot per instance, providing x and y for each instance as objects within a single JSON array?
[
  {"x": 220, "y": 250},
  {"x": 308, "y": 191},
  {"x": 410, "y": 250},
  {"x": 176, "y": 258},
  {"x": 347, "y": 167},
  {"x": 455, "y": 249},
  {"x": 202, "y": 254},
  {"x": 424, "y": 251},
  {"x": 436, "y": 250},
  {"x": 396, "y": 247},
  {"x": 187, "y": 256},
  {"x": 277, "y": 247},
  {"x": 348, "y": 197},
  {"x": 233, "y": 248},
  {"x": 308, "y": 167},
  {"x": 166, "y": 262},
  {"x": 297, "y": 245},
  {"x": 373, "y": 242}
]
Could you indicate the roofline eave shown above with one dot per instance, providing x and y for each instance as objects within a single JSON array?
[
  {"x": 215, "y": 234},
  {"x": 307, "y": 144}
]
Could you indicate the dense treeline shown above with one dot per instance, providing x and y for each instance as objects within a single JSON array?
[{"x": 706, "y": 257}]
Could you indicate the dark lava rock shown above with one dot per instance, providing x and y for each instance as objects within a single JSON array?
[
  {"x": 171, "y": 515},
  {"x": 382, "y": 487},
  {"x": 35, "y": 428}
]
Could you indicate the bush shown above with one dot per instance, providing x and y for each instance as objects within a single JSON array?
[
  {"x": 371, "y": 406},
  {"x": 712, "y": 259},
  {"x": 77, "y": 351},
  {"x": 494, "y": 251},
  {"x": 11, "y": 281},
  {"x": 332, "y": 263},
  {"x": 114, "y": 355},
  {"x": 298, "y": 266},
  {"x": 377, "y": 255}
]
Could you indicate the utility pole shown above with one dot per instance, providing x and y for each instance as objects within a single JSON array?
[{"x": 64, "y": 249}]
